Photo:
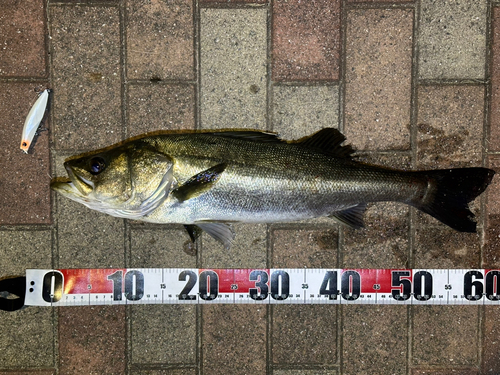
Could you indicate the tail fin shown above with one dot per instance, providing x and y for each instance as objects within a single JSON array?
[{"x": 449, "y": 192}]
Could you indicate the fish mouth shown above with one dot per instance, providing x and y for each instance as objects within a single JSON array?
[{"x": 75, "y": 184}]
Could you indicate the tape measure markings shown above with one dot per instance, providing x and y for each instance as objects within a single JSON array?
[{"x": 76, "y": 287}]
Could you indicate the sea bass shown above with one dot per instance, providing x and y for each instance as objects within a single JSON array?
[{"x": 207, "y": 180}]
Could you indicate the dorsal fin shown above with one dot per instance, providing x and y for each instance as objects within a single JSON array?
[
  {"x": 250, "y": 135},
  {"x": 328, "y": 140}
]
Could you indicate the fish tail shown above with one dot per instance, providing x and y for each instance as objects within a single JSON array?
[{"x": 449, "y": 192}]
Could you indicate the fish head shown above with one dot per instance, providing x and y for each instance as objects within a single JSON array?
[{"x": 127, "y": 181}]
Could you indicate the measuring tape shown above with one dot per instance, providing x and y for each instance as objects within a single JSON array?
[{"x": 79, "y": 287}]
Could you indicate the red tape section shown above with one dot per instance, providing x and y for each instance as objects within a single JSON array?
[{"x": 77, "y": 287}]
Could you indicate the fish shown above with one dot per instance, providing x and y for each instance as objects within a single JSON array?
[
  {"x": 207, "y": 180},
  {"x": 33, "y": 120}
]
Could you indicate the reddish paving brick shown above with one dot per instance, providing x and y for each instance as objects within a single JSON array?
[
  {"x": 378, "y": 78},
  {"x": 22, "y": 37},
  {"x": 160, "y": 39},
  {"x": 491, "y": 249},
  {"x": 25, "y": 179},
  {"x": 494, "y": 141},
  {"x": 160, "y": 107},
  {"x": 234, "y": 339},
  {"x": 448, "y": 135},
  {"x": 92, "y": 340},
  {"x": 491, "y": 342},
  {"x": 306, "y": 40}
]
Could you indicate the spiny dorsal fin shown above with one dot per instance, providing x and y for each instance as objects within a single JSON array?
[
  {"x": 353, "y": 216},
  {"x": 199, "y": 183},
  {"x": 329, "y": 140},
  {"x": 250, "y": 135}
]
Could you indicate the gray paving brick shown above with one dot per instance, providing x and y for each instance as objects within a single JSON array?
[
  {"x": 154, "y": 107},
  {"x": 378, "y": 78},
  {"x": 301, "y": 110},
  {"x": 444, "y": 335},
  {"x": 160, "y": 39},
  {"x": 27, "y": 336},
  {"x": 161, "y": 247},
  {"x": 163, "y": 334},
  {"x": 452, "y": 39},
  {"x": 87, "y": 76},
  {"x": 247, "y": 251},
  {"x": 374, "y": 340},
  {"x": 233, "y": 68}
]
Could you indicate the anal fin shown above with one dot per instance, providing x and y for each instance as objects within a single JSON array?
[
  {"x": 353, "y": 216},
  {"x": 220, "y": 231}
]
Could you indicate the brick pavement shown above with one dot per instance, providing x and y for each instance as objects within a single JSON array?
[{"x": 414, "y": 84}]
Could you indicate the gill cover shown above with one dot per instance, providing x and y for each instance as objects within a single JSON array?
[{"x": 128, "y": 181}]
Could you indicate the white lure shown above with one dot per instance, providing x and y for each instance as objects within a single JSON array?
[{"x": 33, "y": 120}]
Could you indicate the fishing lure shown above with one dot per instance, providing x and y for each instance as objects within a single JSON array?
[{"x": 33, "y": 120}]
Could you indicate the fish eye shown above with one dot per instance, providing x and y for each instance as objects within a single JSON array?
[{"x": 97, "y": 165}]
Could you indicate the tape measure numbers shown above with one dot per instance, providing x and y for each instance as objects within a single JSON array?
[{"x": 78, "y": 287}]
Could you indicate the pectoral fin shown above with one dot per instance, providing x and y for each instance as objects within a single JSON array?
[
  {"x": 352, "y": 216},
  {"x": 199, "y": 183},
  {"x": 219, "y": 231}
]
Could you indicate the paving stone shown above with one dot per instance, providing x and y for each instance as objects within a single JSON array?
[
  {"x": 163, "y": 334},
  {"x": 305, "y": 372},
  {"x": 491, "y": 255},
  {"x": 298, "y": 248},
  {"x": 450, "y": 126},
  {"x": 378, "y": 78},
  {"x": 491, "y": 343},
  {"x": 166, "y": 372},
  {"x": 374, "y": 339},
  {"x": 160, "y": 248},
  {"x": 27, "y": 337},
  {"x": 234, "y": 339},
  {"x": 87, "y": 76},
  {"x": 306, "y": 40},
  {"x": 494, "y": 141},
  {"x": 233, "y": 70},
  {"x": 445, "y": 335},
  {"x": 92, "y": 340},
  {"x": 28, "y": 372},
  {"x": 24, "y": 181},
  {"x": 22, "y": 29},
  {"x": 225, "y": 2},
  {"x": 299, "y": 111},
  {"x": 155, "y": 107},
  {"x": 295, "y": 335},
  {"x": 460, "y": 371},
  {"x": 443, "y": 247},
  {"x": 160, "y": 39},
  {"x": 248, "y": 250},
  {"x": 452, "y": 39},
  {"x": 383, "y": 243},
  {"x": 87, "y": 238}
]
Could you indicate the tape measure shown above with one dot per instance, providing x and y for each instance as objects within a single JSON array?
[{"x": 79, "y": 287}]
